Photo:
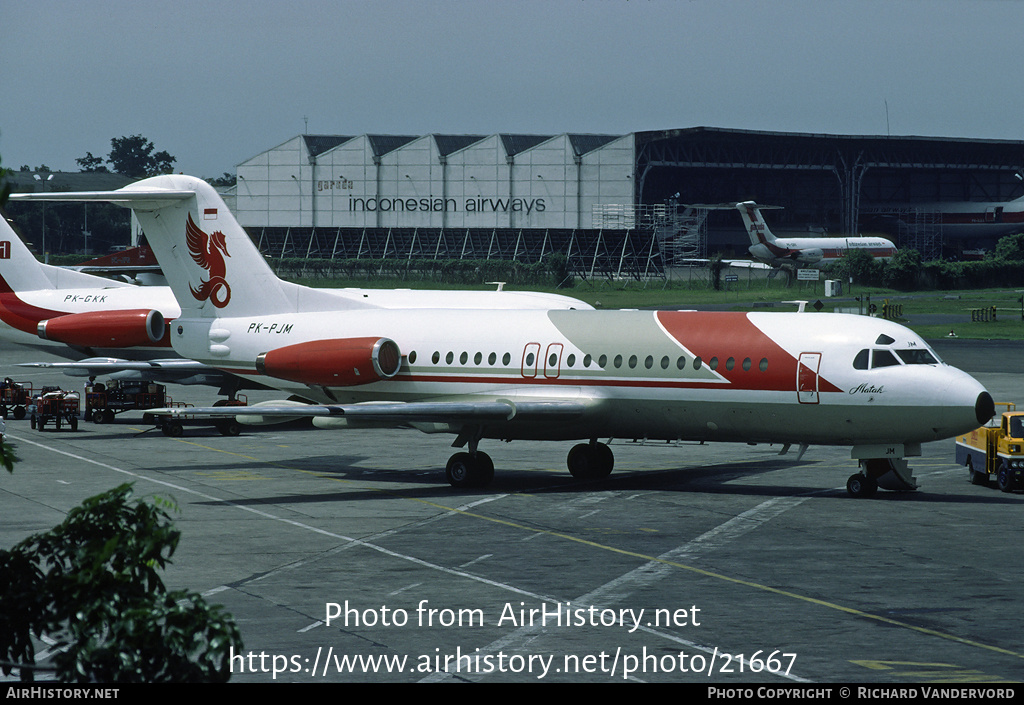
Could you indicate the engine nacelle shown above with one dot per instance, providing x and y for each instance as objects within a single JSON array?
[
  {"x": 340, "y": 362},
  {"x": 108, "y": 329}
]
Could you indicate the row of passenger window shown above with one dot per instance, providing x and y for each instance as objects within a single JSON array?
[{"x": 617, "y": 362}]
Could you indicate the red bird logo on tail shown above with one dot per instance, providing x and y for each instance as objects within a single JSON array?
[{"x": 209, "y": 251}]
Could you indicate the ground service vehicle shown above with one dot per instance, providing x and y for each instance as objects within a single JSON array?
[
  {"x": 55, "y": 404},
  {"x": 227, "y": 424},
  {"x": 14, "y": 398},
  {"x": 102, "y": 402},
  {"x": 995, "y": 450}
]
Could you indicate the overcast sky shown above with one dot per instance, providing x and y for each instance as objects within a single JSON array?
[{"x": 215, "y": 83}]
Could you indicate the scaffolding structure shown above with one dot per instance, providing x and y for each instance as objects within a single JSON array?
[
  {"x": 920, "y": 229},
  {"x": 680, "y": 231}
]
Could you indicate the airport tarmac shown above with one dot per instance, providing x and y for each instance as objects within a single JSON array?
[{"x": 719, "y": 564}]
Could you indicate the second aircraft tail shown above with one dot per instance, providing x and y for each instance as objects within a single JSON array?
[{"x": 208, "y": 259}]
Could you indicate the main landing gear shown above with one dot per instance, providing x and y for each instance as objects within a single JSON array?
[
  {"x": 586, "y": 461},
  {"x": 465, "y": 470},
  {"x": 590, "y": 461}
]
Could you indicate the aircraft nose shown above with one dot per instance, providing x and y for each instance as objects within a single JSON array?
[{"x": 984, "y": 408}]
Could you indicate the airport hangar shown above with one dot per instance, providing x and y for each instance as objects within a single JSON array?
[{"x": 614, "y": 204}]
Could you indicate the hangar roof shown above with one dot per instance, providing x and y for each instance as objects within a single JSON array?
[
  {"x": 446, "y": 144},
  {"x": 382, "y": 144},
  {"x": 514, "y": 144},
  {"x": 318, "y": 144},
  {"x": 713, "y": 146}
]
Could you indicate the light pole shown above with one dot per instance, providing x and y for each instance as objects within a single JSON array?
[{"x": 46, "y": 255}]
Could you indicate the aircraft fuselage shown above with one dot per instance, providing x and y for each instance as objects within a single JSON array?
[{"x": 671, "y": 375}]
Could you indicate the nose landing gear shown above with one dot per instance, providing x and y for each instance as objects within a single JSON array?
[{"x": 889, "y": 473}]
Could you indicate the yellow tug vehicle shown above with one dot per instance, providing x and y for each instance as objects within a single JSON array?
[{"x": 995, "y": 451}]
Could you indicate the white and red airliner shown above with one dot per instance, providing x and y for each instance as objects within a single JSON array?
[
  {"x": 560, "y": 375},
  {"x": 803, "y": 251},
  {"x": 110, "y": 327},
  {"x": 975, "y": 220}
]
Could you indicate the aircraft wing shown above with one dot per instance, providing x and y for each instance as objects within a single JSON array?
[
  {"x": 175, "y": 370},
  {"x": 459, "y": 411}
]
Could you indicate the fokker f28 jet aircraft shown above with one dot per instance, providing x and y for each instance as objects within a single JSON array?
[
  {"x": 803, "y": 378},
  {"x": 114, "y": 328},
  {"x": 803, "y": 251}
]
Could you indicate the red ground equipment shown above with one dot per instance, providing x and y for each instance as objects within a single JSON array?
[{"x": 55, "y": 404}]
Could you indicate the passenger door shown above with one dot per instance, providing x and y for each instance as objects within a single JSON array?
[{"x": 807, "y": 378}]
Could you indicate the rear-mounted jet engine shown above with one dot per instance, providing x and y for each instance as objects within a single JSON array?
[{"x": 337, "y": 362}]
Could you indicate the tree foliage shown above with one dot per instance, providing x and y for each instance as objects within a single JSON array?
[
  {"x": 902, "y": 271},
  {"x": 91, "y": 163},
  {"x": 133, "y": 156},
  {"x": 1010, "y": 248},
  {"x": 92, "y": 584}
]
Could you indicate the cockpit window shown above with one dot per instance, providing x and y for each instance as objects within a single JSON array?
[
  {"x": 883, "y": 339},
  {"x": 917, "y": 357},
  {"x": 863, "y": 360},
  {"x": 883, "y": 358},
  {"x": 873, "y": 359}
]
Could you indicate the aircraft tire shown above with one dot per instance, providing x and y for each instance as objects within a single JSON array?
[
  {"x": 229, "y": 427},
  {"x": 862, "y": 486},
  {"x": 485, "y": 469},
  {"x": 1003, "y": 479},
  {"x": 172, "y": 429},
  {"x": 466, "y": 470},
  {"x": 588, "y": 461}
]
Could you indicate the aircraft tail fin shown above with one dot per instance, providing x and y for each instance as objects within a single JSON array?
[
  {"x": 21, "y": 271},
  {"x": 757, "y": 228},
  {"x": 208, "y": 259}
]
